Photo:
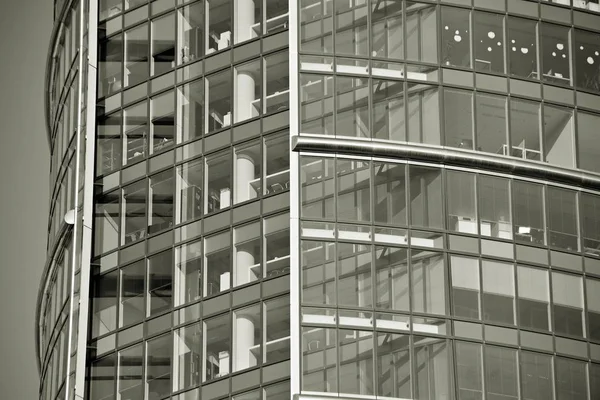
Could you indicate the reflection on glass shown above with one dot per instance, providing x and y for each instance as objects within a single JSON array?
[
  {"x": 187, "y": 362},
  {"x": 190, "y": 103},
  {"x": 536, "y": 375},
  {"x": 108, "y": 143},
  {"x": 426, "y": 197},
  {"x": 217, "y": 263},
  {"x": 587, "y": 58},
  {"x": 132, "y": 294},
  {"x": 162, "y": 121},
  {"x": 491, "y": 123},
  {"x": 352, "y": 107},
  {"x": 110, "y": 63},
  {"x": 528, "y": 210},
  {"x": 388, "y": 110},
  {"x": 353, "y": 190},
  {"x": 562, "y": 219},
  {"x": 386, "y": 30},
  {"x": 456, "y": 47},
  {"x": 135, "y": 132},
  {"x": 534, "y": 298},
  {"x": 247, "y": 261},
  {"x": 423, "y": 114},
  {"x": 136, "y": 55},
  {"x": 465, "y": 286},
  {"x": 421, "y": 32},
  {"x": 567, "y": 308},
  {"x": 356, "y": 358},
  {"x": 160, "y": 282},
  {"x": 190, "y": 33},
  {"x": 432, "y": 356},
  {"x": 163, "y": 44},
  {"x": 555, "y": 56},
  {"x": 102, "y": 378},
  {"x": 593, "y": 306},
  {"x": 106, "y": 222},
  {"x": 318, "y": 272},
  {"x": 460, "y": 194},
  {"x": 216, "y": 347},
  {"x": 428, "y": 282},
  {"x": 498, "y": 292},
  {"x": 104, "y": 303},
  {"x": 277, "y": 335},
  {"x": 316, "y": 97},
  {"x": 158, "y": 366},
  {"x": 589, "y": 213},
  {"x": 218, "y": 184},
  {"x": 469, "y": 370},
  {"x": 558, "y": 136},
  {"x": 188, "y": 273},
  {"x": 130, "y": 373},
  {"x": 524, "y": 129},
  {"x": 317, "y": 187},
  {"x": 571, "y": 379},
  {"x": 219, "y": 25},
  {"x": 458, "y": 118},
  {"x": 277, "y": 81},
  {"x": 488, "y": 38},
  {"x": 134, "y": 204},
  {"x": 494, "y": 207},
  {"x": 588, "y": 145},
  {"x": 390, "y": 193},
  {"x": 277, "y": 177},
  {"x": 319, "y": 360},
  {"x": 316, "y": 26},
  {"x": 189, "y": 191},
  {"x": 160, "y": 210},
  {"x": 352, "y": 36},
  {"x": 277, "y": 245},
  {"x": 501, "y": 380},
  {"x": 218, "y": 94},
  {"x": 522, "y": 47}
]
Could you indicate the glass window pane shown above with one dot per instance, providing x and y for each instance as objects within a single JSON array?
[
  {"x": 279, "y": 391},
  {"x": 524, "y": 129},
  {"x": 589, "y": 210},
  {"x": 562, "y": 219},
  {"x": 247, "y": 19},
  {"x": 160, "y": 282},
  {"x": 247, "y": 254},
  {"x": 390, "y": 193},
  {"x": 218, "y": 93},
  {"x": 190, "y": 32},
  {"x": 393, "y": 366},
  {"x": 132, "y": 294},
  {"x": 137, "y": 48},
  {"x": 276, "y": 16},
  {"x": 469, "y": 371},
  {"x": 388, "y": 110},
  {"x": 491, "y": 123},
  {"x": 494, "y": 207},
  {"x": 319, "y": 359},
  {"x": 423, "y": 104},
  {"x": 498, "y": 292},
  {"x": 158, "y": 366},
  {"x": 130, "y": 373},
  {"x": 567, "y": 296},
  {"x": 428, "y": 282},
  {"x": 160, "y": 213},
  {"x": 488, "y": 37},
  {"x": 106, "y": 222},
  {"x": 462, "y": 215},
  {"x": 187, "y": 361},
  {"x": 316, "y": 26},
  {"x": 248, "y": 82},
  {"x": 555, "y": 54},
  {"x": 501, "y": 373},
  {"x": 188, "y": 259},
  {"x": 534, "y": 298},
  {"x": 353, "y": 191},
  {"x": 456, "y": 47},
  {"x": 277, "y": 335},
  {"x": 219, "y": 176},
  {"x": 246, "y": 338},
  {"x": 528, "y": 212},
  {"x": 352, "y": 36},
  {"x": 189, "y": 191},
  {"x": 247, "y": 172},
  {"x": 571, "y": 379},
  {"x": 134, "y": 204},
  {"x": 386, "y": 30},
  {"x": 356, "y": 362},
  {"x": 190, "y": 100},
  {"x": 536, "y": 376},
  {"x": 162, "y": 121},
  {"x": 593, "y": 305},
  {"x": 587, "y": 57},
  {"x": 217, "y": 347},
  {"x": 219, "y": 25},
  {"x": 104, "y": 303},
  {"x": 354, "y": 275},
  {"x": 102, "y": 378},
  {"x": 458, "y": 118},
  {"x": 426, "y": 197},
  {"x": 594, "y": 375},
  {"x": 317, "y": 187},
  {"x": 316, "y": 97},
  {"x": 421, "y": 31},
  {"x": 277, "y": 78},
  {"x": 558, "y": 136},
  {"x": 318, "y": 272},
  {"x": 522, "y": 50},
  {"x": 110, "y": 65},
  {"x": 108, "y": 143},
  {"x": 278, "y": 164},
  {"x": 587, "y": 141},
  {"x": 277, "y": 245},
  {"x": 431, "y": 358},
  {"x": 135, "y": 132},
  {"x": 217, "y": 263},
  {"x": 352, "y": 108},
  {"x": 465, "y": 286},
  {"x": 163, "y": 44}
]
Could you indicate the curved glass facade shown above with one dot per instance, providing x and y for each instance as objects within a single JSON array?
[
  {"x": 267, "y": 199},
  {"x": 462, "y": 280}
]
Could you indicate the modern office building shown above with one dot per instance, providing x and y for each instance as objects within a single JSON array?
[{"x": 271, "y": 199}]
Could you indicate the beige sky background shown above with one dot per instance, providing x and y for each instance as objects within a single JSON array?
[{"x": 25, "y": 27}]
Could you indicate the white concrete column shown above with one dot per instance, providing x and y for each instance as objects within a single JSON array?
[
  {"x": 244, "y": 260},
  {"x": 244, "y": 96},
  {"x": 244, "y": 20},
  {"x": 244, "y": 340},
  {"x": 244, "y": 172}
]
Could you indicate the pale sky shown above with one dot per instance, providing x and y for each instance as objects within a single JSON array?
[{"x": 25, "y": 27}]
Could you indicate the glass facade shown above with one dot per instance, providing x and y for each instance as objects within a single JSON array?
[{"x": 267, "y": 199}]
